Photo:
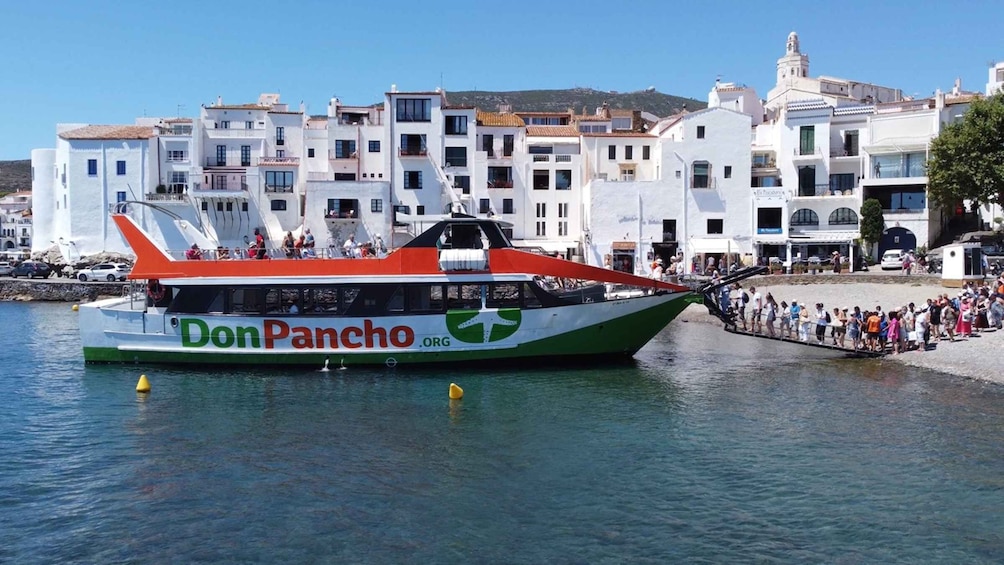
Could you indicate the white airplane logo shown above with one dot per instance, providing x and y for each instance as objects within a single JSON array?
[{"x": 488, "y": 318}]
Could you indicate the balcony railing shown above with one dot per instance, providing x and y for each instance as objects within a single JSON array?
[
  {"x": 163, "y": 197},
  {"x": 335, "y": 154},
  {"x": 499, "y": 184},
  {"x": 232, "y": 187},
  {"x": 214, "y": 162},
  {"x": 765, "y": 164},
  {"x": 278, "y": 189},
  {"x": 541, "y": 158},
  {"x": 841, "y": 152},
  {"x": 703, "y": 182},
  {"x": 821, "y": 190},
  {"x": 899, "y": 172},
  {"x": 273, "y": 161},
  {"x": 807, "y": 152},
  {"x": 413, "y": 152},
  {"x": 562, "y": 158}
]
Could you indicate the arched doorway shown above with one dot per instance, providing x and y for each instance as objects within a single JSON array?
[{"x": 897, "y": 238}]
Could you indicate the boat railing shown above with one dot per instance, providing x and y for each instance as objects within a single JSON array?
[{"x": 240, "y": 253}]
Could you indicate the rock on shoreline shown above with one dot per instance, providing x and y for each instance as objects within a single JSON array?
[{"x": 52, "y": 290}]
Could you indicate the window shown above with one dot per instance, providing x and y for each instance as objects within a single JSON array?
[
  {"x": 628, "y": 152},
  {"x": 219, "y": 207},
  {"x": 508, "y": 141},
  {"x": 484, "y": 206},
  {"x": 646, "y": 152},
  {"x": 456, "y": 125},
  {"x": 179, "y": 182},
  {"x": 700, "y": 132},
  {"x": 281, "y": 181},
  {"x": 412, "y": 180},
  {"x": 563, "y": 179},
  {"x": 768, "y": 221},
  {"x": 92, "y": 167},
  {"x": 541, "y": 229},
  {"x": 280, "y": 135},
  {"x": 244, "y": 206},
  {"x": 278, "y": 205},
  {"x": 205, "y": 206},
  {"x": 221, "y": 155},
  {"x": 120, "y": 168},
  {"x": 280, "y": 153},
  {"x": 225, "y": 124},
  {"x": 716, "y": 226},
  {"x": 499, "y": 177},
  {"x": 620, "y": 123},
  {"x": 541, "y": 179},
  {"x": 230, "y": 206},
  {"x": 374, "y": 146},
  {"x": 376, "y": 205},
  {"x": 562, "y": 228},
  {"x": 842, "y": 181},
  {"x": 419, "y": 210},
  {"x": 345, "y": 149},
  {"x": 804, "y": 217},
  {"x": 456, "y": 157},
  {"x": 310, "y": 152},
  {"x": 463, "y": 182},
  {"x": 120, "y": 196},
  {"x": 412, "y": 144},
  {"x": 541, "y": 209},
  {"x": 248, "y": 125},
  {"x": 702, "y": 175},
  {"x": 414, "y": 110},
  {"x": 563, "y": 209},
  {"x": 851, "y": 145},
  {"x": 668, "y": 231},
  {"x": 345, "y": 176},
  {"x": 728, "y": 171},
  {"x": 612, "y": 152},
  {"x": 807, "y": 181},
  {"x": 627, "y": 174},
  {"x": 176, "y": 156},
  {"x": 807, "y": 140},
  {"x": 507, "y": 206},
  {"x": 245, "y": 155},
  {"x": 843, "y": 217}
]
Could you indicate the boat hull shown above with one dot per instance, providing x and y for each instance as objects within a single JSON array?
[{"x": 112, "y": 333}]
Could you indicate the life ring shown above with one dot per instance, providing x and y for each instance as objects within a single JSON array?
[{"x": 155, "y": 290}]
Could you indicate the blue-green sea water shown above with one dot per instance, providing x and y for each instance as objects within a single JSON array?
[{"x": 709, "y": 448}]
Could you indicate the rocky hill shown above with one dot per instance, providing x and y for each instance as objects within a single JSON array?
[
  {"x": 15, "y": 176},
  {"x": 648, "y": 100}
]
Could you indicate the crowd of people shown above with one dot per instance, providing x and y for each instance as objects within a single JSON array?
[
  {"x": 302, "y": 247},
  {"x": 911, "y": 327}
]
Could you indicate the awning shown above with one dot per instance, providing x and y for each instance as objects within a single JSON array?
[
  {"x": 549, "y": 245},
  {"x": 623, "y": 246},
  {"x": 713, "y": 245}
]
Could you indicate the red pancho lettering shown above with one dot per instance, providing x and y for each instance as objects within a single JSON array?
[{"x": 350, "y": 337}]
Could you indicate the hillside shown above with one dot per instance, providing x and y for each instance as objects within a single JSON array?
[
  {"x": 657, "y": 103},
  {"x": 15, "y": 176}
]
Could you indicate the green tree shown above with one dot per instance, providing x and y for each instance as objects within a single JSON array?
[
  {"x": 967, "y": 159},
  {"x": 872, "y": 223}
]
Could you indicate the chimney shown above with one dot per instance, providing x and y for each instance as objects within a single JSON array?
[
  {"x": 393, "y": 88},
  {"x": 219, "y": 100},
  {"x": 957, "y": 89}
]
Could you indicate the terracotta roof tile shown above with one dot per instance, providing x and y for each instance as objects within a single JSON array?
[
  {"x": 499, "y": 119},
  {"x": 551, "y": 131},
  {"x": 109, "y": 132}
]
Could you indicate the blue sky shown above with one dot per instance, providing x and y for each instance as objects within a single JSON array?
[{"x": 109, "y": 62}]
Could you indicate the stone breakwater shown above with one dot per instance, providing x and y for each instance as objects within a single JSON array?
[{"x": 53, "y": 290}]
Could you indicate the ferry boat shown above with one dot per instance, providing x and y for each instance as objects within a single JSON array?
[{"x": 457, "y": 292}]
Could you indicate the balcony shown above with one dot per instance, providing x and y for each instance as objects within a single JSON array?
[
  {"x": 562, "y": 158},
  {"x": 806, "y": 154},
  {"x": 841, "y": 152},
  {"x": 413, "y": 152},
  {"x": 541, "y": 158},
  {"x": 166, "y": 197},
  {"x": 501, "y": 183},
  {"x": 763, "y": 164},
  {"x": 215, "y": 163},
  {"x": 231, "y": 133},
  {"x": 703, "y": 182},
  {"x": 205, "y": 190},
  {"x": 278, "y": 189},
  {"x": 820, "y": 190},
  {"x": 278, "y": 161},
  {"x": 336, "y": 155}
]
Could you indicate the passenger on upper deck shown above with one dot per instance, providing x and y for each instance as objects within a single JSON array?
[
  {"x": 194, "y": 253},
  {"x": 350, "y": 247}
]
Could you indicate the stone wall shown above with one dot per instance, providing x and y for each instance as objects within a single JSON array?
[{"x": 50, "y": 290}]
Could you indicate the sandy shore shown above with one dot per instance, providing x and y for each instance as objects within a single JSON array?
[{"x": 978, "y": 357}]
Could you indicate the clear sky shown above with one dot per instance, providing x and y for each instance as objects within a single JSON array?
[{"x": 102, "y": 61}]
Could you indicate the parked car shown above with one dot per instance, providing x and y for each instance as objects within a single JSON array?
[
  {"x": 105, "y": 272},
  {"x": 892, "y": 259},
  {"x": 5, "y": 268},
  {"x": 31, "y": 269}
]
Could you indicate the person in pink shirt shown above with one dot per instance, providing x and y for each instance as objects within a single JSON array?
[{"x": 892, "y": 332}]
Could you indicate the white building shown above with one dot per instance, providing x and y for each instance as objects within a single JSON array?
[
  {"x": 15, "y": 222},
  {"x": 995, "y": 79}
]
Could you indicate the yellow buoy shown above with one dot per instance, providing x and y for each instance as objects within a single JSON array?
[
  {"x": 75, "y": 308},
  {"x": 143, "y": 385},
  {"x": 456, "y": 393}
]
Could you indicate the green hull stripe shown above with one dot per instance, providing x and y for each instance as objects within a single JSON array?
[{"x": 624, "y": 335}]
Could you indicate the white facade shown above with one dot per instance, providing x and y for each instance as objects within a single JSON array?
[
  {"x": 995, "y": 79},
  {"x": 15, "y": 222}
]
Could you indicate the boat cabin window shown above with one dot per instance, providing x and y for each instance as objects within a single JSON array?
[
  {"x": 504, "y": 295},
  {"x": 463, "y": 296},
  {"x": 425, "y": 298},
  {"x": 530, "y": 297},
  {"x": 463, "y": 236}
]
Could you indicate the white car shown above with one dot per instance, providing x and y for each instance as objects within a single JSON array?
[
  {"x": 892, "y": 259},
  {"x": 105, "y": 272}
]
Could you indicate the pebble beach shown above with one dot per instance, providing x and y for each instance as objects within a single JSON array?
[{"x": 978, "y": 357}]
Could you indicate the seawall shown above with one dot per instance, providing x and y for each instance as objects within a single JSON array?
[{"x": 54, "y": 290}]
